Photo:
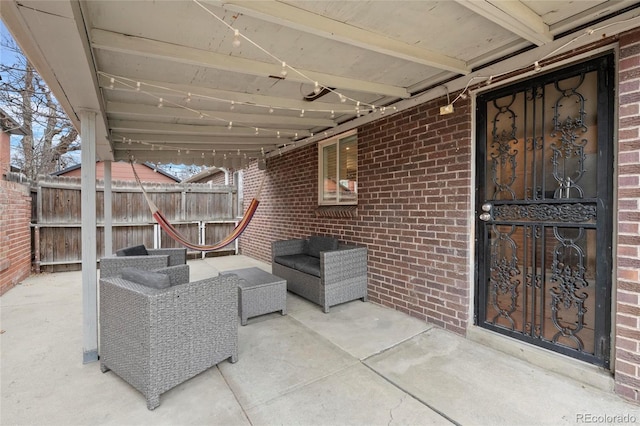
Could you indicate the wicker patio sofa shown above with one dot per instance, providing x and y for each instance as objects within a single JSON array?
[
  {"x": 155, "y": 339},
  {"x": 321, "y": 270}
]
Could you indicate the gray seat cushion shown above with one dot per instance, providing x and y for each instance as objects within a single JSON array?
[
  {"x": 301, "y": 262},
  {"x": 310, "y": 265},
  {"x": 139, "y": 250},
  {"x": 147, "y": 278},
  {"x": 291, "y": 260},
  {"x": 316, "y": 244}
]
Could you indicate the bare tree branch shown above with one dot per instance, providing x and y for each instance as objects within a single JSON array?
[{"x": 50, "y": 135}]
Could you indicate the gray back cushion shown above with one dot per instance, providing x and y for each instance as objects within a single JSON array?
[
  {"x": 139, "y": 250},
  {"x": 317, "y": 244},
  {"x": 147, "y": 278}
]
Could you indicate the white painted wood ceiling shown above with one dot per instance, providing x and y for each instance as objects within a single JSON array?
[{"x": 165, "y": 76}]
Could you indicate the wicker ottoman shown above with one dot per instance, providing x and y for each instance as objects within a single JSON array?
[{"x": 259, "y": 293}]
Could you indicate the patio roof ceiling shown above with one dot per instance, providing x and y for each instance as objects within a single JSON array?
[{"x": 171, "y": 85}]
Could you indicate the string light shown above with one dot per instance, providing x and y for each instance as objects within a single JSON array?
[
  {"x": 283, "y": 72},
  {"x": 316, "y": 89},
  {"x": 137, "y": 86},
  {"x": 236, "y": 38},
  {"x": 111, "y": 81},
  {"x": 160, "y": 103}
]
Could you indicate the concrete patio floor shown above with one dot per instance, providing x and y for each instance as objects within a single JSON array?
[{"x": 361, "y": 364}]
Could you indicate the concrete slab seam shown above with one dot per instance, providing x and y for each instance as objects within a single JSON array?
[{"x": 414, "y": 396}]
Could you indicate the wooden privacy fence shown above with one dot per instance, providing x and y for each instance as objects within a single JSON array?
[{"x": 204, "y": 213}]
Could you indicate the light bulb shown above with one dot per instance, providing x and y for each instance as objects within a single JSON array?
[
  {"x": 316, "y": 89},
  {"x": 278, "y": 134},
  {"x": 270, "y": 110},
  {"x": 111, "y": 81},
  {"x": 236, "y": 38},
  {"x": 137, "y": 86},
  {"x": 302, "y": 113},
  {"x": 333, "y": 114},
  {"x": 188, "y": 97},
  {"x": 343, "y": 98},
  {"x": 230, "y": 125},
  {"x": 160, "y": 103},
  {"x": 233, "y": 105},
  {"x": 536, "y": 66},
  {"x": 283, "y": 72}
]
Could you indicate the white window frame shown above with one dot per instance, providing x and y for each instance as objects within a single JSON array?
[{"x": 321, "y": 145}]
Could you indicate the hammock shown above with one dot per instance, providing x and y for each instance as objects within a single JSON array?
[{"x": 177, "y": 236}]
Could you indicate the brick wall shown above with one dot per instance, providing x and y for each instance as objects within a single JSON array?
[
  {"x": 15, "y": 234},
  {"x": 414, "y": 208},
  {"x": 627, "y": 297},
  {"x": 414, "y": 176}
]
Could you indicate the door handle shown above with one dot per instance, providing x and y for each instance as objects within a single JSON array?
[{"x": 486, "y": 216}]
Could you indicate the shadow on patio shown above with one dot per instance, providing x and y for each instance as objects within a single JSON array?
[{"x": 361, "y": 364}]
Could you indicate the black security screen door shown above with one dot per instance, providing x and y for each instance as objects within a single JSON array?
[{"x": 544, "y": 210}]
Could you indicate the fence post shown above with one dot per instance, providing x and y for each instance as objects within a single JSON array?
[
  {"x": 203, "y": 234},
  {"x": 157, "y": 238},
  {"x": 36, "y": 244}
]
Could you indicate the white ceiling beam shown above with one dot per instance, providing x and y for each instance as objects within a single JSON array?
[
  {"x": 180, "y": 91},
  {"x": 139, "y": 110},
  {"x": 311, "y": 23},
  {"x": 161, "y": 138},
  {"x": 116, "y": 42},
  {"x": 169, "y": 157},
  {"x": 514, "y": 16},
  {"x": 230, "y": 146},
  {"x": 132, "y": 126}
]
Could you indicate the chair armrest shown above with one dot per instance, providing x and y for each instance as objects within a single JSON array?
[
  {"x": 177, "y": 256},
  {"x": 178, "y": 274},
  {"x": 345, "y": 263},
  {"x": 111, "y": 266},
  {"x": 287, "y": 247}
]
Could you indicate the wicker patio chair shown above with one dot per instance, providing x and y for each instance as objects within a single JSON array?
[
  {"x": 134, "y": 257},
  {"x": 177, "y": 256},
  {"x": 156, "y": 339}
]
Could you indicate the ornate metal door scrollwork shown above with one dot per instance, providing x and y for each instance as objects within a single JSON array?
[{"x": 544, "y": 235}]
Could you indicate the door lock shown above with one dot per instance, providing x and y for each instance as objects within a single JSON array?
[{"x": 486, "y": 208}]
